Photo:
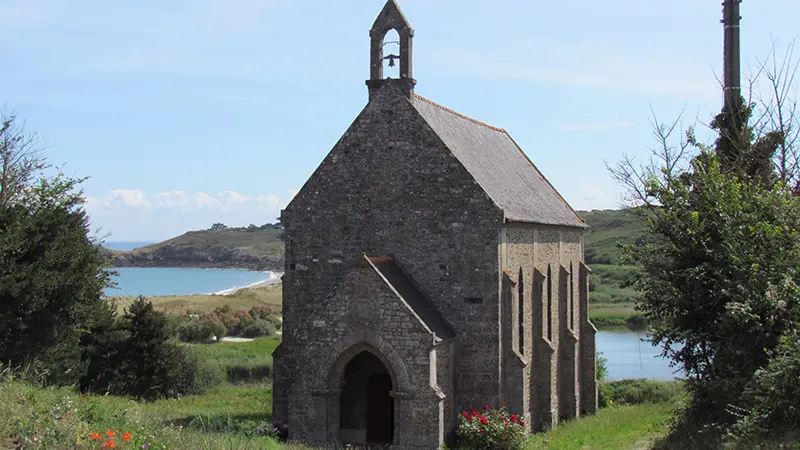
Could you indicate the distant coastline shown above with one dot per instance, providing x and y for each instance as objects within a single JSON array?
[{"x": 220, "y": 247}]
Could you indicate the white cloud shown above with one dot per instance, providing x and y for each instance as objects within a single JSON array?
[
  {"x": 133, "y": 198},
  {"x": 132, "y": 215},
  {"x": 591, "y": 197},
  {"x": 232, "y": 197},
  {"x": 170, "y": 199}
]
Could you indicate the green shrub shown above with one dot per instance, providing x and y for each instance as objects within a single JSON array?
[
  {"x": 770, "y": 407},
  {"x": 259, "y": 328},
  {"x": 276, "y": 321},
  {"x": 200, "y": 330},
  {"x": 490, "y": 429},
  {"x": 641, "y": 390},
  {"x": 137, "y": 357},
  {"x": 249, "y": 373}
]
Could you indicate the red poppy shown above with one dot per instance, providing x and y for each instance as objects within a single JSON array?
[
  {"x": 110, "y": 433},
  {"x": 127, "y": 436},
  {"x": 95, "y": 436},
  {"x": 110, "y": 444}
]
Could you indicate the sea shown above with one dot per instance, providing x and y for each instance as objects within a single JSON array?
[
  {"x": 151, "y": 281},
  {"x": 628, "y": 353}
]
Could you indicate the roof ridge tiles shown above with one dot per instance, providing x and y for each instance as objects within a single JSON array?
[{"x": 444, "y": 108}]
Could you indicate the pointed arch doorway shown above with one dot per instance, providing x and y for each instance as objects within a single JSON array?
[{"x": 366, "y": 406}]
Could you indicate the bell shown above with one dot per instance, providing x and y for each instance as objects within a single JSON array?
[{"x": 391, "y": 62}]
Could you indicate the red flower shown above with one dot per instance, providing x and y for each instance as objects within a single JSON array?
[
  {"x": 475, "y": 413},
  {"x": 467, "y": 415},
  {"x": 95, "y": 436},
  {"x": 514, "y": 418},
  {"x": 522, "y": 423},
  {"x": 110, "y": 444},
  {"x": 486, "y": 406},
  {"x": 484, "y": 420},
  {"x": 127, "y": 436},
  {"x": 110, "y": 433}
]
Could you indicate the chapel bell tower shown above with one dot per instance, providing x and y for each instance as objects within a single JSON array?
[{"x": 391, "y": 18}]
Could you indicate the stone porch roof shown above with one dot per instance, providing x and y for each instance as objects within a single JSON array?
[
  {"x": 499, "y": 166},
  {"x": 400, "y": 283}
]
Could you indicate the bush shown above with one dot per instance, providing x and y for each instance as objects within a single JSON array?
[
  {"x": 259, "y": 328},
  {"x": 136, "y": 356},
  {"x": 641, "y": 390},
  {"x": 200, "y": 330},
  {"x": 770, "y": 407},
  {"x": 490, "y": 429},
  {"x": 249, "y": 373}
]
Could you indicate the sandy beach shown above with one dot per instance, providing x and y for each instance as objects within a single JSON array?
[{"x": 274, "y": 280}]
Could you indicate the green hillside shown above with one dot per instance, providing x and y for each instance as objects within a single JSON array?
[
  {"x": 607, "y": 229},
  {"x": 612, "y": 305},
  {"x": 259, "y": 248}
]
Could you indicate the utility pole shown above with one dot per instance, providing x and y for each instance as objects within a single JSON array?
[{"x": 732, "y": 62}]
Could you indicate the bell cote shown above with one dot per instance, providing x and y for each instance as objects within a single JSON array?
[{"x": 391, "y": 18}]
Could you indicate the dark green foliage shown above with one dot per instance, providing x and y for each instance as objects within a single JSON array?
[
  {"x": 739, "y": 153},
  {"x": 259, "y": 328},
  {"x": 200, "y": 330},
  {"x": 641, "y": 390},
  {"x": 249, "y": 373},
  {"x": 770, "y": 405},
  {"x": 722, "y": 282},
  {"x": 51, "y": 271},
  {"x": 136, "y": 356}
]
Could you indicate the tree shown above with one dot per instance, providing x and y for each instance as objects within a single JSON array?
[
  {"x": 52, "y": 273},
  {"x": 136, "y": 355},
  {"x": 721, "y": 266},
  {"x": 20, "y": 159}
]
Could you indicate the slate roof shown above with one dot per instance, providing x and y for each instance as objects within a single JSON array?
[
  {"x": 499, "y": 166},
  {"x": 419, "y": 303}
]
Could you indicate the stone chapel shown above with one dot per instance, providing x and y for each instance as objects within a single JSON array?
[{"x": 430, "y": 268}]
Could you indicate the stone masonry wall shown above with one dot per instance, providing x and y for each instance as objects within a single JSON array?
[
  {"x": 390, "y": 187},
  {"x": 363, "y": 314},
  {"x": 528, "y": 247}
]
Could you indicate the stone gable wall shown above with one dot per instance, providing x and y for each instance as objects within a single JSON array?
[
  {"x": 390, "y": 187},
  {"x": 361, "y": 314}
]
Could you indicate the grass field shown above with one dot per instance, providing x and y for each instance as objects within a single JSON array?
[
  {"x": 225, "y": 417},
  {"x": 619, "y": 427},
  {"x": 243, "y": 299},
  {"x": 56, "y": 418},
  {"x": 242, "y": 362}
]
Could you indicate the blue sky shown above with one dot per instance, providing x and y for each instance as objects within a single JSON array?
[{"x": 185, "y": 113}]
